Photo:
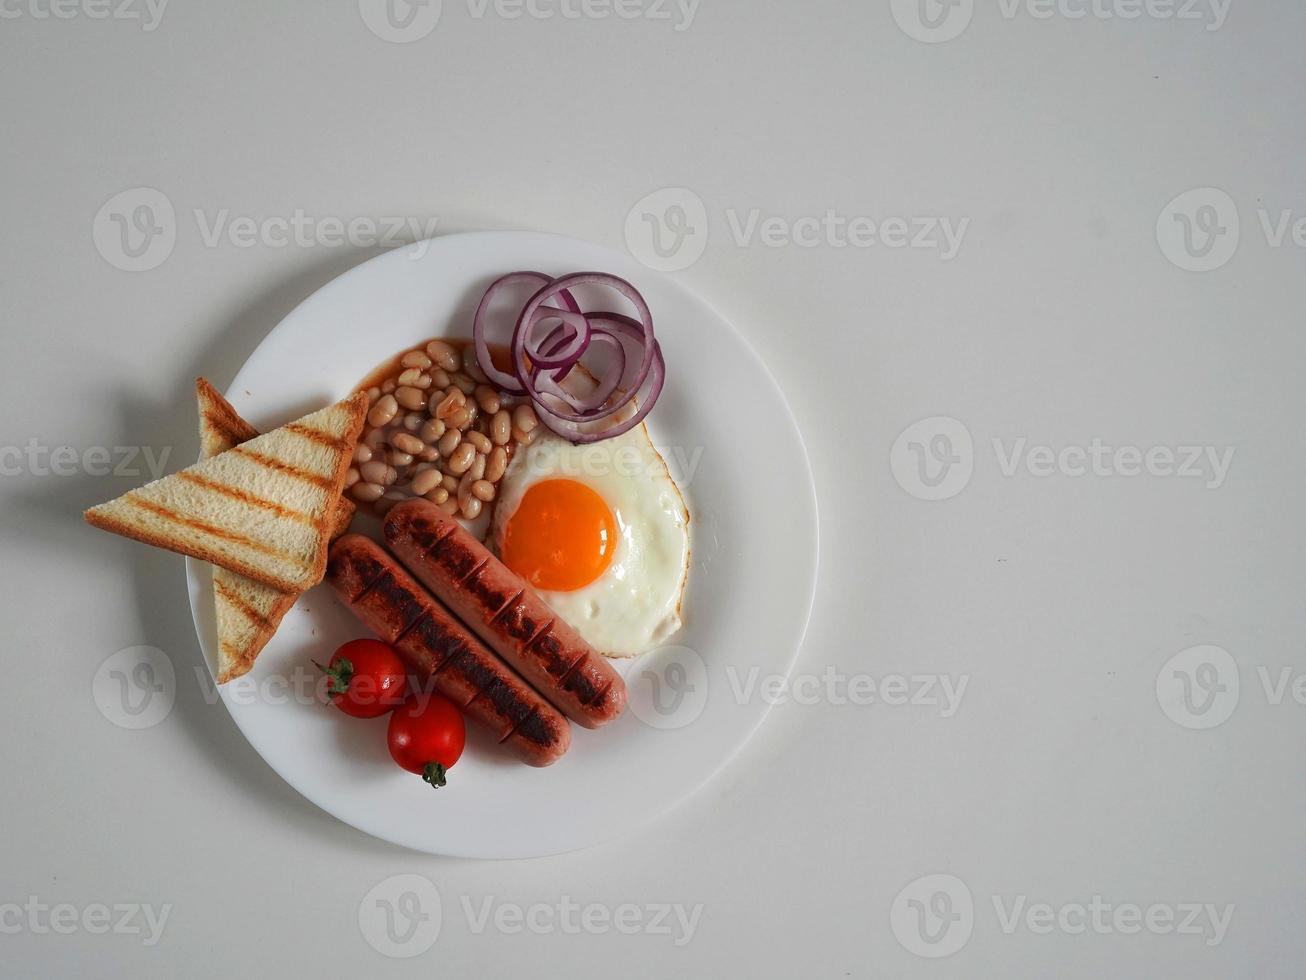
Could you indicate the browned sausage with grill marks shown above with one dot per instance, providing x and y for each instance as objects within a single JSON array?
[
  {"x": 504, "y": 611},
  {"x": 436, "y": 647}
]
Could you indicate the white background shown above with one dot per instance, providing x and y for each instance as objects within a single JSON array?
[{"x": 1059, "y": 599}]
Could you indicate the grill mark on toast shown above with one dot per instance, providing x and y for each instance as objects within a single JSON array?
[
  {"x": 235, "y": 493},
  {"x": 325, "y": 482},
  {"x": 318, "y": 436},
  {"x": 217, "y": 532},
  {"x": 222, "y": 427},
  {"x": 248, "y": 611}
]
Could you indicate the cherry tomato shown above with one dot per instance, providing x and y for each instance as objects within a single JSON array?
[
  {"x": 427, "y": 735},
  {"x": 367, "y": 678}
]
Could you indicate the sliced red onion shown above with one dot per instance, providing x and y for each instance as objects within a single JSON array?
[
  {"x": 507, "y": 382},
  {"x": 540, "y": 368}
]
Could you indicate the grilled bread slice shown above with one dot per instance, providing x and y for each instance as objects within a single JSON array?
[
  {"x": 264, "y": 509},
  {"x": 248, "y": 612}
]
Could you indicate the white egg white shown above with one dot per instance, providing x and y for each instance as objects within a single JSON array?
[{"x": 635, "y": 604}]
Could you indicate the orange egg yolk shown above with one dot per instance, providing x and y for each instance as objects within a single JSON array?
[{"x": 561, "y": 536}]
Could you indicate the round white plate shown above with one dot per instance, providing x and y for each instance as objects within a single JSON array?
[{"x": 726, "y": 432}]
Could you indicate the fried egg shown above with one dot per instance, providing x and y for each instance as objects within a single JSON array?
[{"x": 602, "y": 532}]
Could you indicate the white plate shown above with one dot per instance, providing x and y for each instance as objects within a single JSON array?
[{"x": 745, "y": 476}]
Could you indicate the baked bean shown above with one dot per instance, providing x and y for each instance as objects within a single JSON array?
[
  {"x": 378, "y": 472},
  {"x": 414, "y": 378},
  {"x": 524, "y": 418},
  {"x": 440, "y": 377},
  {"x": 414, "y": 421},
  {"x": 429, "y": 455},
  {"x": 362, "y": 453},
  {"x": 415, "y": 359},
  {"x": 483, "y": 490},
  {"x": 407, "y": 443},
  {"x": 373, "y": 394},
  {"x": 431, "y": 431},
  {"x": 461, "y": 460},
  {"x": 450, "y": 483},
  {"x": 444, "y": 355},
  {"x": 446, "y": 405},
  {"x": 366, "y": 492},
  {"x": 438, "y": 496},
  {"x": 449, "y": 442},
  {"x": 383, "y": 411},
  {"x": 450, "y": 506},
  {"x": 411, "y": 398},
  {"x": 501, "y": 427},
  {"x": 524, "y": 438},
  {"x": 374, "y": 437},
  {"x": 426, "y": 481},
  {"x": 496, "y": 464},
  {"x": 471, "y": 508},
  {"x": 397, "y": 457},
  {"x": 463, "y": 383},
  {"x": 480, "y": 441},
  {"x": 388, "y": 386},
  {"x": 487, "y": 398},
  {"x": 351, "y": 477},
  {"x": 460, "y": 418},
  {"x": 477, "y": 471}
]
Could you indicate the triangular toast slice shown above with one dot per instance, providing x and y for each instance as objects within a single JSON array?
[
  {"x": 263, "y": 509},
  {"x": 248, "y": 612}
]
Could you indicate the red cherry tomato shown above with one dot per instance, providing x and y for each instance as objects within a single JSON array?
[
  {"x": 427, "y": 735},
  {"x": 367, "y": 678}
]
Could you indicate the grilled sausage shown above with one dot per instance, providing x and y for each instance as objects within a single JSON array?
[
  {"x": 505, "y": 612},
  {"x": 436, "y": 647}
]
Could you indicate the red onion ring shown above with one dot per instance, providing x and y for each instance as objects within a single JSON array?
[
  {"x": 540, "y": 368},
  {"x": 507, "y": 382}
]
